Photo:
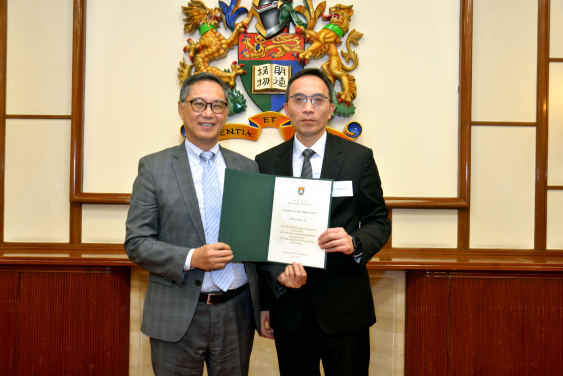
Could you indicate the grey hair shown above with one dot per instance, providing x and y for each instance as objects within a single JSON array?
[
  {"x": 311, "y": 72},
  {"x": 203, "y": 76}
]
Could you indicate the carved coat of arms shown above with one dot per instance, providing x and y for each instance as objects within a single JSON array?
[{"x": 268, "y": 58}]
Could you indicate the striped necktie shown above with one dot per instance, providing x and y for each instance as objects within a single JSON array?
[
  {"x": 212, "y": 198},
  {"x": 307, "y": 169}
]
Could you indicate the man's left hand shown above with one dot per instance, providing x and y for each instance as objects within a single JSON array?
[
  {"x": 336, "y": 240},
  {"x": 266, "y": 331}
]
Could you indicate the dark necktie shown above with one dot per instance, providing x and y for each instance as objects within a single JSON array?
[{"x": 307, "y": 169}]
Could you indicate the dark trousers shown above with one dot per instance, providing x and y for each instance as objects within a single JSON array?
[
  {"x": 300, "y": 352},
  {"x": 220, "y": 335}
]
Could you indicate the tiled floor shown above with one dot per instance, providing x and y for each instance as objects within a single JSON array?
[{"x": 387, "y": 335}]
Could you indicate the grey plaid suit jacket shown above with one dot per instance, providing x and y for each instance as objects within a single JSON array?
[{"x": 163, "y": 224}]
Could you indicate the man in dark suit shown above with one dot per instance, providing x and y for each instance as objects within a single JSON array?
[
  {"x": 325, "y": 314},
  {"x": 199, "y": 306}
]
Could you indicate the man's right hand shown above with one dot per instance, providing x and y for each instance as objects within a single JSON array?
[
  {"x": 294, "y": 276},
  {"x": 211, "y": 256}
]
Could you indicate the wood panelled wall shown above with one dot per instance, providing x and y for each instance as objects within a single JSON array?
[
  {"x": 462, "y": 202},
  {"x": 484, "y": 324},
  {"x": 457, "y": 324},
  {"x": 64, "y": 321}
]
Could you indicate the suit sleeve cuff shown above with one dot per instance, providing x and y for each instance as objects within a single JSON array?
[{"x": 280, "y": 289}]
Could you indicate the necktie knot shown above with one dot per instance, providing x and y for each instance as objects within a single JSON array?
[
  {"x": 207, "y": 156},
  {"x": 308, "y": 153}
]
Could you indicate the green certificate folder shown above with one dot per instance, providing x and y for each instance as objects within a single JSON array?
[{"x": 246, "y": 214}]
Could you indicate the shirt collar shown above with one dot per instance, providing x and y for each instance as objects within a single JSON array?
[
  {"x": 194, "y": 151},
  {"x": 318, "y": 147}
]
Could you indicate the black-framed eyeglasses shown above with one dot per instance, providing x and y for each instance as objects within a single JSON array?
[
  {"x": 199, "y": 105},
  {"x": 317, "y": 100}
]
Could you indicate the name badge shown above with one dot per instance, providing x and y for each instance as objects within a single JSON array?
[{"x": 342, "y": 188}]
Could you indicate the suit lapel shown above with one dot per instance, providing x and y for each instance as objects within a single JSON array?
[
  {"x": 181, "y": 166},
  {"x": 230, "y": 159},
  {"x": 284, "y": 165},
  {"x": 333, "y": 159}
]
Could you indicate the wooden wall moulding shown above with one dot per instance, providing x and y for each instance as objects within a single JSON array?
[
  {"x": 77, "y": 118},
  {"x": 540, "y": 231},
  {"x": 102, "y": 198},
  {"x": 8, "y": 247},
  {"x": 72, "y": 322},
  {"x": 465, "y": 96},
  {"x": 3, "y": 73},
  {"x": 386, "y": 259},
  {"x": 504, "y": 124},
  {"x": 391, "y": 202},
  {"x": 425, "y": 203},
  {"x": 389, "y": 243},
  {"x": 484, "y": 324},
  {"x": 467, "y": 260},
  {"x": 39, "y": 117},
  {"x": 78, "y": 196}
]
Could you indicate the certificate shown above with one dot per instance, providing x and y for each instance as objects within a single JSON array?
[
  {"x": 265, "y": 218},
  {"x": 300, "y": 214}
]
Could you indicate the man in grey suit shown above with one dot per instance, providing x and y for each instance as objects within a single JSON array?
[{"x": 199, "y": 306}]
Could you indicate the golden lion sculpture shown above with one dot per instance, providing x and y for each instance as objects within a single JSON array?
[
  {"x": 326, "y": 41},
  {"x": 211, "y": 46}
]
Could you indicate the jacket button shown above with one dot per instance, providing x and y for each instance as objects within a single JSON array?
[{"x": 198, "y": 283}]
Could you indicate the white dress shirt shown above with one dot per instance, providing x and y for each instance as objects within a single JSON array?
[
  {"x": 197, "y": 176},
  {"x": 316, "y": 159}
]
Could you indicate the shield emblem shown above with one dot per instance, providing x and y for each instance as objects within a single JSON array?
[
  {"x": 301, "y": 191},
  {"x": 269, "y": 17},
  {"x": 269, "y": 64}
]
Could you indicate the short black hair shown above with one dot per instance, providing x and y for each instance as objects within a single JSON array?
[
  {"x": 311, "y": 72},
  {"x": 203, "y": 76}
]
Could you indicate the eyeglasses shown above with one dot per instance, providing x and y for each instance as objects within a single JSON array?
[
  {"x": 317, "y": 100},
  {"x": 199, "y": 105}
]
